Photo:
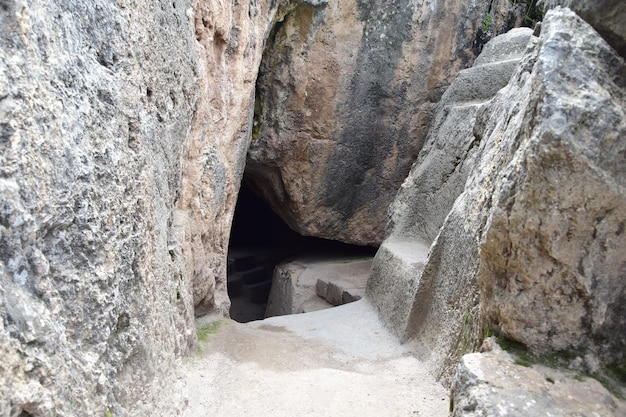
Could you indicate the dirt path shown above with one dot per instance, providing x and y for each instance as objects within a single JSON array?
[{"x": 336, "y": 362}]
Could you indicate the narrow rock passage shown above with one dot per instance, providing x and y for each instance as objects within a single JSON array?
[{"x": 335, "y": 362}]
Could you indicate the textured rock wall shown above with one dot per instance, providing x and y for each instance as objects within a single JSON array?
[
  {"x": 123, "y": 129},
  {"x": 551, "y": 274},
  {"x": 96, "y": 99},
  {"x": 606, "y": 16},
  {"x": 539, "y": 225},
  {"x": 419, "y": 270},
  {"x": 345, "y": 98},
  {"x": 231, "y": 36}
]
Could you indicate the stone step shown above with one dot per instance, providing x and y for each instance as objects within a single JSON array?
[
  {"x": 395, "y": 277},
  {"x": 341, "y": 291},
  {"x": 315, "y": 304},
  {"x": 338, "y": 281}
]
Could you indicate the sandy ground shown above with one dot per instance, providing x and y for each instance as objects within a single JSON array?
[{"x": 335, "y": 362}]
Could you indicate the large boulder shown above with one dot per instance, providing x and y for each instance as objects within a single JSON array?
[
  {"x": 551, "y": 272},
  {"x": 531, "y": 247},
  {"x": 345, "y": 98}
]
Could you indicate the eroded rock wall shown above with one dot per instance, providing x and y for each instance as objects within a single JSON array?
[
  {"x": 345, "y": 98},
  {"x": 530, "y": 247},
  {"x": 419, "y": 265},
  {"x": 123, "y": 132},
  {"x": 231, "y": 36},
  {"x": 551, "y": 275},
  {"x": 96, "y": 99}
]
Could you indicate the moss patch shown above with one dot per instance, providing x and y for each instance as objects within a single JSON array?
[
  {"x": 203, "y": 332},
  {"x": 609, "y": 377},
  {"x": 526, "y": 358}
]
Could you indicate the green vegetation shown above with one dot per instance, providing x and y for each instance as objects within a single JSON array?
[
  {"x": 526, "y": 358},
  {"x": 618, "y": 372},
  {"x": 487, "y": 21},
  {"x": 612, "y": 377},
  {"x": 205, "y": 331},
  {"x": 488, "y": 332},
  {"x": 108, "y": 414}
]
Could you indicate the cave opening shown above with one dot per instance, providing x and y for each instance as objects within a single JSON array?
[{"x": 259, "y": 241}]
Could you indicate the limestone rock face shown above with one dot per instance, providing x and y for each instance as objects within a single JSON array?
[
  {"x": 96, "y": 99},
  {"x": 123, "y": 129},
  {"x": 344, "y": 100},
  {"x": 230, "y": 35},
  {"x": 530, "y": 248},
  {"x": 449, "y": 154},
  {"x": 606, "y": 16},
  {"x": 492, "y": 384},
  {"x": 414, "y": 254},
  {"x": 551, "y": 275}
]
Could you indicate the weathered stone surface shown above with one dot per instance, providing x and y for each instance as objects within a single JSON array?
[
  {"x": 551, "y": 272},
  {"x": 406, "y": 265},
  {"x": 123, "y": 132},
  {"x": 96, "y": 99},
  {"x": 403, "y": 283},
  {"x": 231, "y": 35},
  {"x": 448, "y": 156},
  {"x": 345, "y": 97},
  {"x": 306, "y": 284},
  {"x": 539, "y": 224},
  {"x": 606, "y": 16},
  {"x": 491, "y": 384}
]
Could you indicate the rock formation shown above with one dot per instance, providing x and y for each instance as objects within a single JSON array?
[
  {"x": 494, "y": 383},
  {"x": 403, "y": 269},
  {"x": 344, "y": 101},
  {"x": 124, "y": 128},
  {"x": 530, "y": 247},
  {"x": 606, "y": 16},
  {"x": 95, "y": 105},
  {"x": 230, "y": 38},
  {"x": 314, "y": 283},
  {"x": 123, "y": 133}
]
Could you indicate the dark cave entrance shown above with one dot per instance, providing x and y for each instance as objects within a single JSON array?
[{"x": 260, "y": 240}]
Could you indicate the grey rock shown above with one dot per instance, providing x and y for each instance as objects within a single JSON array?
[
  {"x": 284, "y": 296},
  {"x": 448, "y": 156},
  {"x": 306, "y": 284},
  {"x": 118, "y": 180},
  {"x": 406, "y": 264},
  {"x": 95, "y": 105},
  {"x": 552, "y": 224},
  {"x": 530, "y": 247},
  {"x": 606, "y": 16},
  {"x": 345, "y": 97},
  {"x": 492, "y": 384}
]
